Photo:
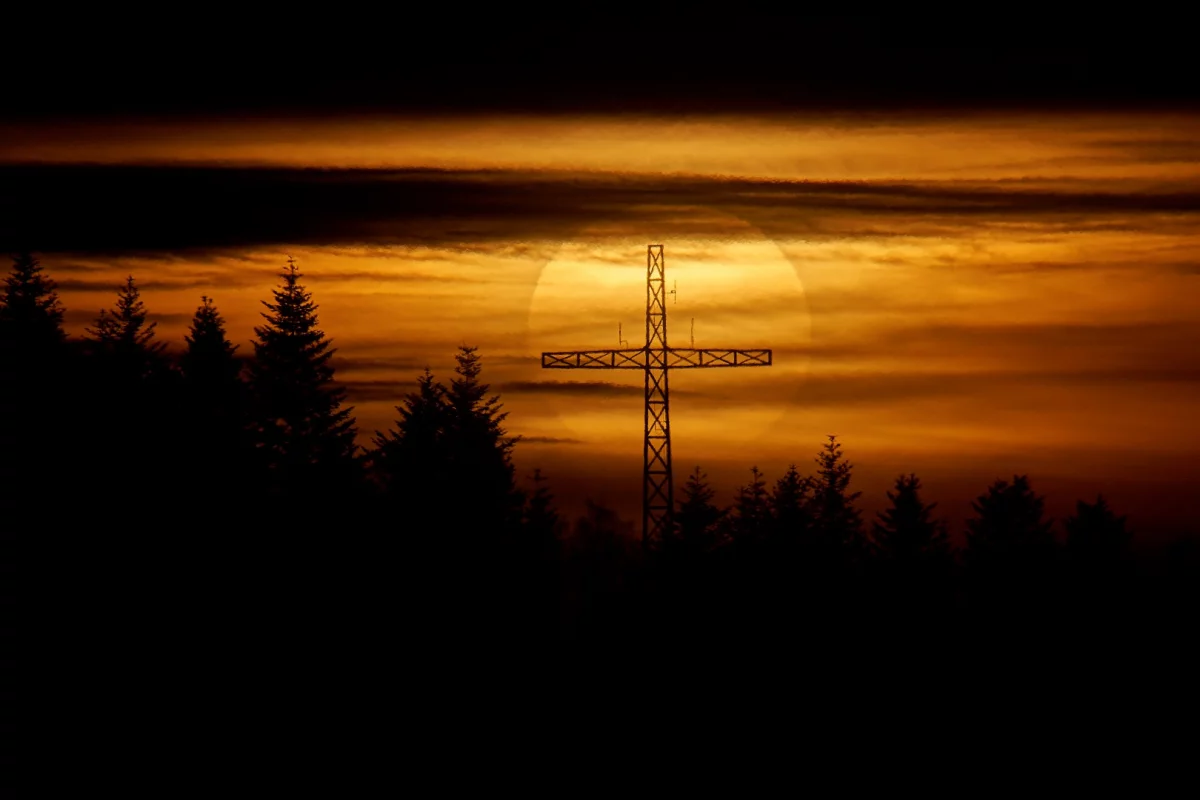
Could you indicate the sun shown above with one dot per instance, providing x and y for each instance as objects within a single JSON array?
[{"x": 736, "y": 291}]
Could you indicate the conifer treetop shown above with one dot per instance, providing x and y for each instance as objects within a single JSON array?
[
  {"x": 474, "y": 409},
  {"x": 127, "y": 324},
  {"x": 908, "y": 527},
  {"x": 209, "y": 354},
  {"x": 302, "y": 418},
  {"x": 30, "y": 302},
  {"x": 208, "y": 326}
]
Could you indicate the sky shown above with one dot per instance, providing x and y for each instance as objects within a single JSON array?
[{"x": 970, "y": 260}]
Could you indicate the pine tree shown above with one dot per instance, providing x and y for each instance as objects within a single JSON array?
[
  {"x": 906, "y": 532},
  {"x": 304, "y": 434},
  {"x": 697, "y": 520},
  {"x": 837, "y": 521}
]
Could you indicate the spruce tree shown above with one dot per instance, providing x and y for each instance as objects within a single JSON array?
[
  {"x": 215, "y": 396},
  {"x": 542, "y": 520},
  {"x": 479, "y": 448},
  {"x": 411, "y": 462},
  {"x": 906, "y": 532},
  {"x": 135, "y": 416},
  {"x": 1011, "y": 553},
  {"x": 1099, "y": 546},
  {"x": 304, "y": 434},
  {"x": 697, "y": 520},
  {"x": 31, "y": 314},
  {"x": 33, "y": 382},
  {"x": 837, "y": 521},
  {"x": 751, "y": 511},
  {"x": 32, "y": 339},
  {"x": 532, "y": 569},
  {"x": 1009, "y": 524},
  {"x": 125, "y": 338},
  {"x": 791, "y": 512},
  {"x": 209, "y": 363}
]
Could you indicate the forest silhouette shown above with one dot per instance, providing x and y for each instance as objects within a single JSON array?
[{"x": 202, "y": 494}]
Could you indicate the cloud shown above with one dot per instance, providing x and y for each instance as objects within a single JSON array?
[
  {"x": 343, "y": 364},
  {"x": 549, "y": 440},
  {"x": 152, "y": 284},
  {"x": 589, "y": 388},
  {"x": 1135, "y": 346},
  {"x": 1151, "y": 149},
  {"x": 582, "y": 388},
  {"x": 171, "y": 209},
  {"x": 366, "y": 391},
  {"x": 87, "y": 316}
]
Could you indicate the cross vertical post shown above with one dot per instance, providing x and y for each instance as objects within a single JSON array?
[
  {"x": 656, "y": 359},
  {"x": 657, "y": 483}
]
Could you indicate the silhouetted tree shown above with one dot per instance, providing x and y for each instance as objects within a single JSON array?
[
  {"x": 412, "y": 460},
  {"x": 215, "y": 394},
  {"x": 906, "y": 532},
  {"x": 33, "y": 380},
  {"x": 1011, "y": 552},
  {"x": 304, "y": 434},
  {"x": 536, "y": 560},
  {"x": 541, "y": 518},
  {"x": 751, "y": 512},
  {"x": 697, "y": 520},
  {"x": 1100, "y": 554},
  {"x": 599, "y": 558},
  {"x": 1009, "y": 524},
  {"x": 133, "y": 407},
  {"x": 791, "y": 508},
  {"x": 31, "y": 314},
  {"x": 124, "y": 338},
  {"x": 479, "y": 449},
  {"x": 914, "y": 562},
  {"x": 837, "y": 522},
  {"x": 1097, "y": 537},
  {"x": 209, "y": 363}
]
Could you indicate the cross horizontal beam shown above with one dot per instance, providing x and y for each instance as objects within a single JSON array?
[{"x": 639, "y": 358}]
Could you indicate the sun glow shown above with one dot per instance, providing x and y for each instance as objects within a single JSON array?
[{"x": 594, "y": 297}]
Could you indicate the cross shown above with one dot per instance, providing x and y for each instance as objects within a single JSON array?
[{"x": 656, "y": 359}]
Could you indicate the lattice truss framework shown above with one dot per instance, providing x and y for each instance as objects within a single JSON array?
[{"x": 656, "y": 359}]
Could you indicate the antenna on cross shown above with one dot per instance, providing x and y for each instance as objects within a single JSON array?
[
  {"x": 621, "y": 340},
  {"x": 693, "y": 331}
]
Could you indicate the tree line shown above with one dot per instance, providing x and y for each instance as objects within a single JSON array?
[{"x": 206, "y": 482}]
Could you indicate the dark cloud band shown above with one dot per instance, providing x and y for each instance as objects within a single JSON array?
[{"x": 169, "y": 209}]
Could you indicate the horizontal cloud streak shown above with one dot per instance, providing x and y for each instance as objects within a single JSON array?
[
  {"x": 590, "y": 388},
  {"x": 152, "y": 209},
  {"x": 981, "y": 389}
]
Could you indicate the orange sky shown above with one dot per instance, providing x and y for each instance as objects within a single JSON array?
[{"x": 964, "y": 297}]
